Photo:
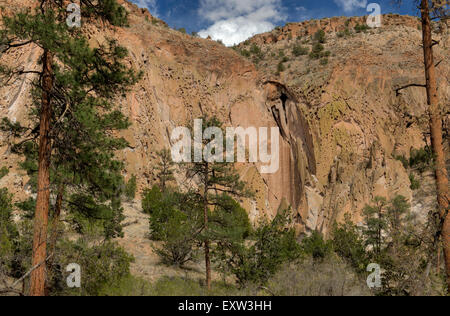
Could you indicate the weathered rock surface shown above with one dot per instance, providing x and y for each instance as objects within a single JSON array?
[{"x": 341, "y": 124}]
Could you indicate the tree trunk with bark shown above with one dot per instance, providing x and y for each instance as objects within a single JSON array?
[
  {"x": 38, "y": 276},
  {"x": 436, "y": 132},
  {"x": 205, "y": 209},
  {"x": 54, "y": 232}
]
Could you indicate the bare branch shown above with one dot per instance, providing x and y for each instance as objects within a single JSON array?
[{"x": 397, "y": 91}]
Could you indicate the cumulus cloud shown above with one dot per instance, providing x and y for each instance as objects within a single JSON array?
[
  {"x": 151, "y": 5},
  {"x": 234, "y": 21},
  {"x": 351, "y": 5}
]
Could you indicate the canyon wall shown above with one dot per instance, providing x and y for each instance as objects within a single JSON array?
[{"x": 341, "y": 123}]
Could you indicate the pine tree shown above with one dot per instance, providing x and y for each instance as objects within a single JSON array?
[
  {"x": 375, "y": 220},
  {"x": 165, "y": 172},
  {"x": 214, "y": 179},
  {"x": 429, "y": 10},
  {"x": 70, "y": 146}
]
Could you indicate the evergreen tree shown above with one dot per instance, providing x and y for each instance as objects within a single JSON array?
[
  {"x": 435, "y": 10},
  {"x": 70, "y": 144},
  {"x": 376, "y": 224},
  {"x": 165, "y": 172},
  {"x": 214, "y": 179}
]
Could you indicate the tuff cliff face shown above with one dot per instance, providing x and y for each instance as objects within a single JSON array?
[
  {"x": 358, "y": 120},
  {"x": 341, "y": 124}
]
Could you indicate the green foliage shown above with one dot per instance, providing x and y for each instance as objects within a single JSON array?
[
  {"x": 403, "y": 160},
  {"x": 245, "y": 53},
  {"x": 271, "y": 246},
  {"x": 422, "y": 158},
  {"x": 87, "y": 83},
  {"x": 127, "y": 286},
  {"x": 255, "y": 50},
  {"x": 299, "y": 50},
  {"x": 177, "y": 286},
  {"x": 320, "y": 36},
  {"x": 375, "y": 221},
  {"x": 87, "y": 215},
  {"x": 361, "y": 28},
  {"x": 111, "y": 11},
  {"x": 182, "y": 30},
  {"x": 151, "y": 200},
  {"x": 130, "y": 188},
  {"x": 103, "y": 267},
  {"x": 348, "y": 244},
  {"x": 281, "y": 67},
  {"x": 8, "y": 230},
  {"x": 164, "y": 169},
  {"x": 316, "y": 246},
  {"x": 415, "y": 184},
  {"x": 229, "y": 221},
  {"x": 176, "y": 220},
  {"x": 317, "y": 51},
  {"x": 324, "y": 61},
  {"x": 3, "y": 172},
  {"x": 393, "y": 238}
]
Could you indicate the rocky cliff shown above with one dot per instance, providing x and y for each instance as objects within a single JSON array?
[{"x": 341, "y": 123}]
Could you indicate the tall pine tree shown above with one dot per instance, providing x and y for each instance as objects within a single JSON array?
[
  {"x": 73, "y": 112},
  {"x": 215, "y": 178}
]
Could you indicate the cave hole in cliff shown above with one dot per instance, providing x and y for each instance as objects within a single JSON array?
[{"x": 284, "y": 99}]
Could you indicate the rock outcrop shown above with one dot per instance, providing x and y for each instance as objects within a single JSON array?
[{"x": 341, "y": 124}]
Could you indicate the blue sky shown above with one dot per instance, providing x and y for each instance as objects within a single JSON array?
[{"x": 233, "y": 21}]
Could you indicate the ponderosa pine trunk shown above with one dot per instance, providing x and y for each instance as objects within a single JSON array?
[
  {"x": 205, "y": 209},
  {"x": 38, "y": 276},
  {"x": 54, "y": 232},
  {"x": 436, "y": 132}
]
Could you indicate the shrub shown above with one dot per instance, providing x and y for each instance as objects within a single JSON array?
[
  {"x": 255, "y": 50},
  {"x": 245, "y": 53},
  {"x": 403, "y": 160},
  {"x": 271, "y": 246},
  {"x": 320, "y": 36},
  {"x": 361, "y": 28},
  {"x": 182, "y": 30},
  {"x": 344, "y": 33},
  {"x": 299, "y": 50},
  {"x": 103, "y": 266},
  {"x": 3, "y": 172},
  {"x": 316, "y": 246},
  {"x": 349, "y": 245},
  {"x": 176, "y": 220},
  {"x": 281, "y": 67},
  {"x": 415, "y": 184},
  {"x": 130, "y": 188},
  {"x": 421, "y": 158},
  {"x": 316, "y": 51},
  {"x": 8, "y": 230},
  {"x": 324, "y": 61}
]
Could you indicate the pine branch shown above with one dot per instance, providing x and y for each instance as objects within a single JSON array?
[{"x": 397, "y": 91}]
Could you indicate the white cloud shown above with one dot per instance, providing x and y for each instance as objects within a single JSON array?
[
  {"x": 234, "y": 21},
  {"x": 351, "y": 5},
  {"x": 151, "y": 5}
]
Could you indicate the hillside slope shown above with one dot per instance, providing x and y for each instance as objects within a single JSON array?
[{"x": 341, "y": 123}]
